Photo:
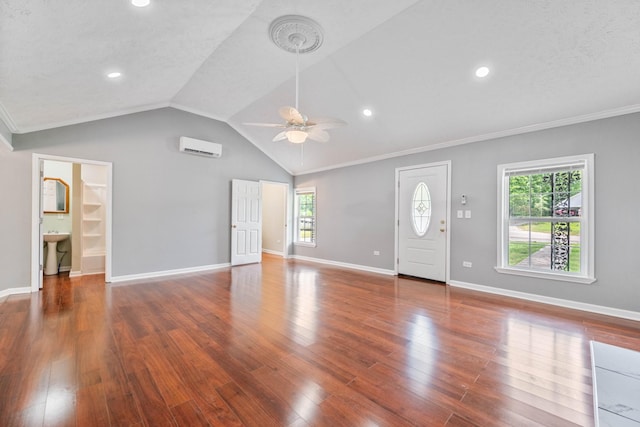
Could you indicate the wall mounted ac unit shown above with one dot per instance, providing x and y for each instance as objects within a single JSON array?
[{"x": 199, "y": 147}]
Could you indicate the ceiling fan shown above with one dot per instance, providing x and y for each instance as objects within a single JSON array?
[{"x": 298, "y": 34}]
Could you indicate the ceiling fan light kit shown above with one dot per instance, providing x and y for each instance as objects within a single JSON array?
[
  {"x": 296, "y": 136},
  {"x": 298, "y": 34}
]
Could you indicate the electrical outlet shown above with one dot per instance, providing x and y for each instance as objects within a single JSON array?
[
  {"x": 376, "y": 253},
  {"x": 467, "y": 264}
]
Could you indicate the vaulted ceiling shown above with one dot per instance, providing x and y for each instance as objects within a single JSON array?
[{"x": 411, "y": 62}]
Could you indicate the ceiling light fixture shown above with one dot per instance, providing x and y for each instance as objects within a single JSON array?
[
  {"x": 296, "y": 136},
  {"x": 114, "y": 75},
  {"x": 367, "y": 112},
  {"x": 482, "y": 72},
  {"x": 140, "y": 3}
]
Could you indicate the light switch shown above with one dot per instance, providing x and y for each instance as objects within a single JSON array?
[
  {"x": 467, "y": 214},
  {"x": 460, "y": 215}
]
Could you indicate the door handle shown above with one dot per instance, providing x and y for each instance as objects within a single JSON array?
[
  {"x": 442, "y": 230},
  {"x": 233, "y": 226}
]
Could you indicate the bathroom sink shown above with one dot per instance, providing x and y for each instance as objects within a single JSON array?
[
  {"x": 55, "y": 237},
  {"x": 52, "y": 239}
]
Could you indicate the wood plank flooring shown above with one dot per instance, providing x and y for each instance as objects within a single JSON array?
[{"x": 289, "y": 343}]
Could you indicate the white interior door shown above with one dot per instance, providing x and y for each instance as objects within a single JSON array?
[
  {"x": 422, "y": 222},
  {"x": 246, "y": 222}
]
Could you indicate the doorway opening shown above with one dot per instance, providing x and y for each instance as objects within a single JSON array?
[
  {"x": 275, "y": 210},
  {"x": 81, "y": 227},
  {"x": 259, "y": 210}
]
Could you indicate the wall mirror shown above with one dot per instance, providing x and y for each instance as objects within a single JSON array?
[{"x": 55, "y": 196}]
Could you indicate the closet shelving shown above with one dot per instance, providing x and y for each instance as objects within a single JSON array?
[{"x": 93, "y": 197}]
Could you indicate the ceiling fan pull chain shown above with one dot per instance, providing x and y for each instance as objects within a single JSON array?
[{"x": 301, "y": 154}]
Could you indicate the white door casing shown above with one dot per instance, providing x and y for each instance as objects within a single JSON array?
[
  {"x": 40, "y": 247},
  {"x": 36, "y": 214},
  {"x": 246, "y": 222},
  {"x": 422, "y": 221}
]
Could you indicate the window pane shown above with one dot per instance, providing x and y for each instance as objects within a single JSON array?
[
  {"x": 541, "y": 205},
  {"x": 529, "y": 244},
  {"x": 574, "y": 247},
  {"x": 306, "y": 230},
  {"x": 519, "y": 194},
  {"x": 306, "y": 217}
]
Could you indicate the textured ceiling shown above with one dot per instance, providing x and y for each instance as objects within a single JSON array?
[{"x": 412, "y": 62}]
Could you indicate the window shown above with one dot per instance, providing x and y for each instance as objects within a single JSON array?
[
  {"x": 306, "y": 216},
  {"x": 545, "y": 219},
  {"x": 421, "y": 212}
]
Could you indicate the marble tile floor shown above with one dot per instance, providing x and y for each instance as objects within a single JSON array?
[{"x": 616, "y": 383}]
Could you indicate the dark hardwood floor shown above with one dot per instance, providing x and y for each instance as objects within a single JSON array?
[{"x": 289, "y": 343}]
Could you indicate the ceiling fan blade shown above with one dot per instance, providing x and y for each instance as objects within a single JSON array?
[
  {"x": 318, "y": 134},
  {"x": 326, "y": 123},
  {"x": 291, "y": 115},
  {"x": 279, "y": 137},
  {"x": 266, "y": 125}
]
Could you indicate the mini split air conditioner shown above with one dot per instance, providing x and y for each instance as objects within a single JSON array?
[{"x": 199, "y": 147}]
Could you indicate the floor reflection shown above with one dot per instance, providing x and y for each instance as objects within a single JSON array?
[
  {"x": 303, "y": 308},
  {"x": 422, "y": 353},
  {"x": 531, "y": 345},
  {"x": 57, "y": 294}
]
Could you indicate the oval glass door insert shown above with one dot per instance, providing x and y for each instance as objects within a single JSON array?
[{"x": 421, "y": 209}]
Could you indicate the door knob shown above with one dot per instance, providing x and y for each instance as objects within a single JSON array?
[
  {"x": 233, "y": 226},
  {"x": 442, "y": 229}
]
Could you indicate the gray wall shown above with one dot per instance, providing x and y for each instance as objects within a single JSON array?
[
  {"x": 170, "y": 210},
  {"x": 356, "y": 209}
]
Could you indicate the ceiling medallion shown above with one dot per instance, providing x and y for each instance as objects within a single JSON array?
[{"x": 295, "y": 33}]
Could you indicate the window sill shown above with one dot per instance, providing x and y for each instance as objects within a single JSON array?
[
  {"x": 308, "y": 245},
  {"x": 552, "y": 276}
]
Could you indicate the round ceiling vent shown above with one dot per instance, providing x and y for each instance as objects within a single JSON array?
[{"x": 292, "y": 31}]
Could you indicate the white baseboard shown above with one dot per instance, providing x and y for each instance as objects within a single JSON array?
[
  {"x": 599, "y": 309},
  {"x": 15, "y": 291},
  {"x": 269, "y": 251},
  {"x": 155, "y": 274},
  {"x": 75, "y": 273},
  {"x": 346, "y": 265}
]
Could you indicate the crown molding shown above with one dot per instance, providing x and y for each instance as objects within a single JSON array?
[
  {"x": 6, "y": 143},
  {"x": 485, "y": 137},
  {"x": 6, "y": 118}
]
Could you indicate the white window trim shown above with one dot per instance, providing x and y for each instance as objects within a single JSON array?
[
  {"x": 315, "y": 217},
  {"x": 586, "y": 231}
]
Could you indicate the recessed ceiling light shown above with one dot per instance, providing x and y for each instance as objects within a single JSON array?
[
  {"x": 114, "y": 75},
  {"x": 140, "y": 3},
  {"x": 367, "y": 112},
  {"x": 482, "y": 72}
]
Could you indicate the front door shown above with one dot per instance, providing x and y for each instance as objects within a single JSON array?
[
  {"x": 246, "y": 222},
  {"x": 422, "y": 221}
]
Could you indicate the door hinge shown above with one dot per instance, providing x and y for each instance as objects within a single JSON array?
[{"x": 41, "y": 267}]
